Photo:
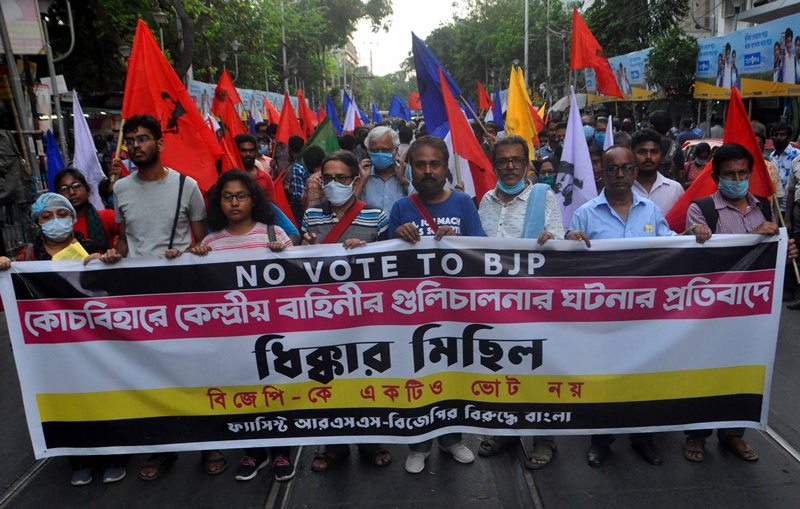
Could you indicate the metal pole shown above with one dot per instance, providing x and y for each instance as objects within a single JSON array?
[
  {"x": 16, "y": 83},
  {"x": 283, "y": 47},
  {"x": 525, "y": 66},
  {"x": 547, "y": 33},
  {"x": 62, "y": 136},
  {"x": 161, "y": 37}
]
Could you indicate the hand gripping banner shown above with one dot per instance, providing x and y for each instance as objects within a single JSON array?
[{"x": 395, "y": 343}]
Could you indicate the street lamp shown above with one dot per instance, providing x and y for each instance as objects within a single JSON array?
[
  {"x": 125, "y": 51},
  {"x": 161, "y": 19},
  {"x": 235, "y": 47},
  {"x": 224, "y": 58}
]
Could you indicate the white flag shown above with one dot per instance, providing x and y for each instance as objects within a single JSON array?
[
  {"x": 85, "y": 157},
  {"x": 609, "y": 142},
  {"x": 350, "y": 117},
  {"x": 575, "y": 180},
  {"x": 254, "y": 111}
]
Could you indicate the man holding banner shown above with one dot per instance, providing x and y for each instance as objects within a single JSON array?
[
  {"x": 433, "y": 211},
  {"x": 730, "y": 210},
  {"x": 618, "y": 213}
]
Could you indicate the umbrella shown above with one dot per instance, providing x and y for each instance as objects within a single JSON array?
[{"x": 563, "y": 103}]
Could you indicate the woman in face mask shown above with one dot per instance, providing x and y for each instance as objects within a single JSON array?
[
  {"x": 548, "y": 170},
  {"x": 702, "y": 153},
  {"x": 98, "y": 227},
  {"x": 56, "y": 217}
]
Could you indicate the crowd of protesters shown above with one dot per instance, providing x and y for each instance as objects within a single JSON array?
[{"x": 392, "y": 181}]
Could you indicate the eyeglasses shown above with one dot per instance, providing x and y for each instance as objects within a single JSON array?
[
  {"x": 613, "y": 169},
  {"x": 75, "y": 186},
  {"x": 504, "y": 162},
  {"x": 141, "y": 140},
  {"x": 342, "y": 179},
  {"x": 239, "y": 196}
]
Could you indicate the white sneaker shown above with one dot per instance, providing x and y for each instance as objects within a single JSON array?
[
  {"x": 460, "y": 452},
  {"x": 415, "y": 461}
]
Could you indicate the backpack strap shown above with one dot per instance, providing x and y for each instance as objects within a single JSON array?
[
  {"x": 766, "y": 208},
  {"x": 181, "y": 181},
  {"x": 271, "y": 233},
  {"x": 710, "y": 213}
]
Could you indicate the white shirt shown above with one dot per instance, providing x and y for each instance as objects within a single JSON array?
[
  {"x": 500, "y": 219},
  {"x": 788, "y": 68},
  {"x": 664, "y": 193}
]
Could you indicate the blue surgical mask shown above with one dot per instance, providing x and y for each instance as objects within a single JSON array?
[
  {"x": 263, "y": 149},
  {"x": 550, "y": 180},
  {"x": 588, "y": 132},
  {"x": 599, "y": 139},
  {"x": 511, "y": 190},
  {"x": 734, "y": 189},
  {"x": 58, "y": 229},
  {"x": 700, "y": 162},
  {"x": 381, "y": 160}
]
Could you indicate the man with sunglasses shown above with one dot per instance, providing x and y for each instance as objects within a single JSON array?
[{"x": 619, "y": 213}]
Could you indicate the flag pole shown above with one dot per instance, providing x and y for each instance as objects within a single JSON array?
[
  {"x": 113, "y": 178},
  {"x": 477, "y": 117},
  {"x": 458, "y": 173},
  {"x": 777, "y": 206}
]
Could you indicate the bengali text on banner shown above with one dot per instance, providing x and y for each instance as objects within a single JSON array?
[{"x": 395, "y": 343}]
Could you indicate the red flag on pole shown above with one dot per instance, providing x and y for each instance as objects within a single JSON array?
[
  {"x": 413, "y": 101},
  {"x": 224, "y": 107},
  {"x": 153, "y": 88},
  {"x": 484, "y": 100},
  {"x": 308, "y": 120},
  {"x": 738, "y": 129},
  {"x": 280, "y": 197},
  {"x": 587, "y": 52},
  {"x": 466, "y": 145},
  {"x": 289, "y": 126},
  {"x": 272, "y": 113}
]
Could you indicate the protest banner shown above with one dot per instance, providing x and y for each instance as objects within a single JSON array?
[
  {"x": 630, "y": 71},
  {"x": 395, "y": 343}
]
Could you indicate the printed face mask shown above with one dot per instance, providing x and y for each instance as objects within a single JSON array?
[{"x": 734, "y": 189}]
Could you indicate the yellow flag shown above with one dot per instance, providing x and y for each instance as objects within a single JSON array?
[
  {"x": 518, "y": 115},
  {"x": 542, "y": 110}
]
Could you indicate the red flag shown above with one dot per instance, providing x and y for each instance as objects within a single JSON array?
[
  {"x": 587, "y": 52},
  {"x": 153, "y": 88},
  {"x": 321, "y": 115},
  {"x": 272, "y": 113},
  {"x": 484, "y": 100},
  {"x": 738, "y": 129},
  {"x": 466, "y": 145},
  {"x": 538, "y": 123},
  {"x": 230, "y": 156},
  {"x": 289, "y": 126},
  {"x": 413, "y": 101},
  {"x": 280, "y": 197},
  {"x": 308, "y": 120},
  {"x": 224, "y": 107}
]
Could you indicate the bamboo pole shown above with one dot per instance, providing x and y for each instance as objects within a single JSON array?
[{"x": 113, "y": 177}]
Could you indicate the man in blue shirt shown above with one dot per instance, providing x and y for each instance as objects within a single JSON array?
[
  {"x": 449, "y": 212},
  {"x": 619, "y": 213}
]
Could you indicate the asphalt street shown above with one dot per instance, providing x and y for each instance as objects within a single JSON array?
[{"x": 625, "y": 481}]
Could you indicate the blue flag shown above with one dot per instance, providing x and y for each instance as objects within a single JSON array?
[
  {"x": 363, "y": 116},
  {"x": 330, "y": 110},
  {"x": 399, "y": 109},
  {"x": 54, "y": 161},
  {"x": 430, "y": 91},
  {"x": 376, "y": 115},
  {"x": 497, "y": 111},
  {"x": 252, "y": 123}
]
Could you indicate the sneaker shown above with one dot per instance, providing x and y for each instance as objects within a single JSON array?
[
  {"x": 114, "y": 474},
  {"x": 81, "y": 477},
  {"x": 415, "y": 461},
  {"x": 460, "y": 452},
  {"x": 283, "y": 468},
  {"x": 248, "y": 468}
]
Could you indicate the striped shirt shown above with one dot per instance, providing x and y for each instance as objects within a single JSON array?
[
  {"x": 369, "y": 225},
  {"x": 257, "y": 238},
  {"x": 731, "y": 219}
]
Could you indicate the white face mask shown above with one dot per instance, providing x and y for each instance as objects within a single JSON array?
[{"x": 337, "y": 193}]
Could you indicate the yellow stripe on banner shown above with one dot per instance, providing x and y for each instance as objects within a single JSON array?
[{"x": 401, "y": 393}]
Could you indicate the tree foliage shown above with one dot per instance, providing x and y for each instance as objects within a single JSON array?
[
  {"x": 314, "y": 28},
  {"x": 632, "y": 25},
  {"x": 672, "y": 61},
  {"x": 483, "y": 44}
]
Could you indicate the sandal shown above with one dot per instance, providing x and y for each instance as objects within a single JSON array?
[
  {"x": 739, "y": 448},
  {"x": 212, "y": 459},
  {"x": 324, "y": 460},
  {"x": 493, "y": 446},
  {"x": 542, "y": 455},
  {"x": 694, "y": 449},
  {"x": 160, "y": 462},
  {"x": 381, "y": 458}
]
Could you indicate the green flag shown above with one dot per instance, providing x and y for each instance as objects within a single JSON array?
[{"x": 325, "y": 137}]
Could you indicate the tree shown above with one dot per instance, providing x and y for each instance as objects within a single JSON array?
[
  {"x": 632, "y": 25},
  {"x": 671, "y": 63}
]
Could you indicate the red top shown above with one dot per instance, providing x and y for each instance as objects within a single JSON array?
[{"x": 107, "y": 216}]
